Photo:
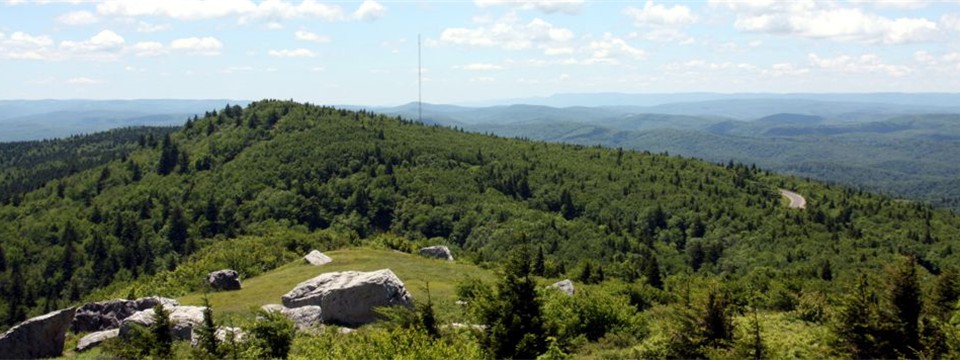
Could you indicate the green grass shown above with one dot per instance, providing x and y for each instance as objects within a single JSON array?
[{"x": 415, "y": 272}]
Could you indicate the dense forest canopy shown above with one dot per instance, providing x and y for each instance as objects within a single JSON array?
[{"x": 277, "y": 176}]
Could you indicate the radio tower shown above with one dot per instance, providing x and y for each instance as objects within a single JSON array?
[{"x": 419, "y": 83}]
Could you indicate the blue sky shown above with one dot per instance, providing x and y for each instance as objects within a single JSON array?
[{"x": 365, "y": 52}]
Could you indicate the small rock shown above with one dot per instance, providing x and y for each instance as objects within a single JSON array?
[
  {"x": 439, "y": 252},
  {"x": 462, "y": 303},
  {"x": 95, "y": 338},
  {"x": 304, "y": 317},
  {"x": 349, "y": 297},
  {"x": 566, "y": 286},
  {"x": 38, "y": 337},
  {"x": 317, "y": 258},
  {"x": 224, "y": 280}
]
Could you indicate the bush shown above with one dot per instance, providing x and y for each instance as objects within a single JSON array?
[{"x": 273, "y": 333}]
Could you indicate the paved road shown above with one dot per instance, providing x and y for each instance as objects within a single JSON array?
[{"x": 796, "y": 200}]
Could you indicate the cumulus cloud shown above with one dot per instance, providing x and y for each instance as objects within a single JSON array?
[
  {"x": 148, "y": 49},
  {"x": 659, "y": 15},
  {"x": 146, "y": 27},
  {"x": 784, "y": 69},
  {"x": 547, "y": 6},
  {"x": 610, "y": 48},
  {"x": 22, "y": 39},
  {"x": 827, "y": 21},
  {"x": 482, "y": 79},
  {"x": 23, "y": 46},
  {"x": 78, "y": 18},
  {"x": 206, "y": 46},
  {"x": 309, "y": 36},
  {"x": 950, "y": 22},
  {"x": 867, "y": 63},
  {"x": 370, "y": 10},
  {"x": 508, "y": 33},
  {"x": 479, "y": 67},
  {"x": 104, "y": 41},
  {"x": 245, "y": 10},
  {"x": 292, "y": 53}
]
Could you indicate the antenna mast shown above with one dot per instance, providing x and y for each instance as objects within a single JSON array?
[{"x": 419, "y": 83}]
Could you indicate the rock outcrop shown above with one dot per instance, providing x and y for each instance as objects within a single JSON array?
[
  {"x": 439, "y": 252},
  {"x": 317, "y": 258},
  {"x": 182, "y": 319},
  {"x": 224, "y": 280},
  {"x": 348, "y": 298},
  {"x": 95, "y": 338},
  {"x": 304, "y": 317},
  {"x": 566, "y": 286},
  {"x": 105, "y": 315},
  {"x": 39, "y": 337}
]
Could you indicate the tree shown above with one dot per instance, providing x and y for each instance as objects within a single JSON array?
[
  {"x": 539, "y": 267},
  {"x": 168, "y": 156},
  {"x": 652, "y": 271},
  {"x": 208, "y": 331},
  {"x": 717, "y": 322},
  {"x": 160, "y": 330},
  {"x": 947, "y": 292},
  {"x": 906, "y": 297},
  {"x": 177, "y": 230},
  {"x": 273, "y": 333},
  {"x": 515, "y": 325}
]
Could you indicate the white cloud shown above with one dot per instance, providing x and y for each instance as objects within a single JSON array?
[
  {"x": 479, "y": 67},
  {"x": 784, "y": 69},
  {"x": 610, "y": 48},
  {"x": 827, "y": 21},
  {"x": 557, "y": 50},
  {"x": 547, "y": 6},
  {"x": 206, "y": 46},
  {"x": 482, "y": 79},
  {"x": 508, "y": 33},
  {"x": 309, "y": 36},
  {"x": 21, "y": 39},
  {"x": 23, "y": 46},
  {"x": 78, "y": 18},
  {"x": 245, "y": 10},
  {"x": 950, "y": 22},
  {"x": 669, "y": 35},
  {"x": 318, "y": 69},
  {"x": 146, "y": 27},
  {"x": 235, "y": 69},
  {"x": 83, "y": 81},
  {"x": 659, "y": 15},
  {"x": 868, "y": 63},
  {"x": 292, "y": 53},
  {"x": 148, "y": 49},
  {"x": 104, "y": 41},
  {"x": 369, "y": 10}
]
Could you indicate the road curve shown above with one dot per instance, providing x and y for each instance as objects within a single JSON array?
[{"x": 796, "y": 200}]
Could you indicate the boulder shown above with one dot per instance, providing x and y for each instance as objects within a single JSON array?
[
  {"x": 317, "y": 258},
  {"x": 224, "y": 280},
  {"x": 39, "y": 337},
  {"x": 566, "y": 286},
  {"x": 349, "y": 297},
  {"x": 222, "y": 334},
  {"x": 304, "y": 317},
  {"x": 439, "y": 252},
  {"x": 95, "y": 338},
  {"x": 182, "y": 319},
  {"x": 105, "y": 315}
]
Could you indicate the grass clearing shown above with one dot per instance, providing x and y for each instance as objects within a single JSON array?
[{"x": 415, "y": 271}]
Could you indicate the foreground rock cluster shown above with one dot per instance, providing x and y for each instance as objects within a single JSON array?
[{"x": 345, "y": 298}]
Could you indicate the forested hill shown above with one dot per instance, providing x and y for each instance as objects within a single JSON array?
[{"x": 279, "y": 168}]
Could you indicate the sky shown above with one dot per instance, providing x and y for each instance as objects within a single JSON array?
[{"x": 365, "y": 52}]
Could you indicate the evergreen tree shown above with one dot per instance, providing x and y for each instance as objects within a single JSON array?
[
  {"x": 586, "y": 275},
  {"x": 208, "y": 331},
  {"x": 906, "y": 297},
  {"x": 168, "y": 156},
  {"x": 515, "y": 326},
  {"x": 177, "y": 230},
  {"x": 717, "y": 322},
  {"x": 652, "y": 271},
  {"x": 946, "y": 293},
  {"x": 160, "y": 331},
  {"x": 539, "y": 267}
]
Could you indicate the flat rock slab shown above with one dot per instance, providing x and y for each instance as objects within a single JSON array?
[
  {"x": 96, "y": 338},
  {"x": 317, "y": 258},
  {"x": 439, "y": 252},
  {"x": 349, "y": 297},
  {"x": 39, "y": 337},
  {"x": 304, "y": 317},
  {"x": 182, "y": 319}
]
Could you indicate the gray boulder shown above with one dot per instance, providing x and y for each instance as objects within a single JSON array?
[
  {"x": 317, "y": 258},
  {"x": 349, "y": 297},
  {"x": 224, "y": 280},
  {"x": 182, "y": 319},
  {"x": 105, "y": 315},
  {"x": 566, "y": 286},
  {"x": 222, "y": 334},
  {"x": 95, "y": 338},
  {"x": 39, "y": 337},
  {"x": 439, "y": 252},
  {"x": 304, "y": 317}
]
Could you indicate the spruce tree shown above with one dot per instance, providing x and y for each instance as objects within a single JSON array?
[
  {"x": 162, "y": 345},
  {"x": 177, "y": 230},
  {"x": 515, "y": 324},
  {"x": 906, "y": 297},
  {"x": 539, "y": 268}
]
